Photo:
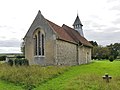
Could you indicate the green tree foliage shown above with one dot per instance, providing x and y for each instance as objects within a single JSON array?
[
  {"x": 2, "y": 58},
  {"x": 21, "y": 62},
  {"x": 94, "y": 43},
  {"x": 20, "y": 56},
  {"x": 23, "y": 48},
  {"x": 10, "y": 62},
  {"x": 114, "y": 50},
  {"x": 100, "y": 52},
  {"x": 111, "y": 58}
]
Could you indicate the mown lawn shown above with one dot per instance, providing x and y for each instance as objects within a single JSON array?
[
  {"x": 86, "y": 77},
  {"x": 83, "y": 77},
  {"x": 9, "y": 86}
]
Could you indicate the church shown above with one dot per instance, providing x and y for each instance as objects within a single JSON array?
[{"x": 47, "y": 43}]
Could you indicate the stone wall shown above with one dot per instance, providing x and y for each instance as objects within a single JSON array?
[
  {"x": 48, "y": 58},
  {"x": 29, "y": 50},
  {"x": 66, "y": 53},
  {"x": 41, "y": 24},
  {"x": 84, "y": 54}
]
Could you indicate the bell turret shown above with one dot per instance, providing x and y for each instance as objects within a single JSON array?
[{"x": 78, "y": 26}]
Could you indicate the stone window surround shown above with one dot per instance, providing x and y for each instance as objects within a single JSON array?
[{"x": 36, "y": 54}]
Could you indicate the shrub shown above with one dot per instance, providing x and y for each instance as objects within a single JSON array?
[
  {"x": 2, "y": 58},
  {"x": 20, "y": 62},
  {"x": 111, "y": 58},
  {"x": 10, "y": 62},
  {"x": 20, "y": 56}
]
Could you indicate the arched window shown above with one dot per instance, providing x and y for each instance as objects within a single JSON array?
[
  {"x": 35, "y": 43},
  {"x": 42, "y": 44},
  {"x": 39, "y": 43}
]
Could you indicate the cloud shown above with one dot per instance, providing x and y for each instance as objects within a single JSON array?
[
  {"x": 10, "y": 43},
  {"x": 9, "y": 32},
  {"x": 111, "y": 29},
  {"x": 114, "y": 5},
  {"x": 4, "y": 26},
  {"x": 116, "y": 8},
  {"x": 103, "y": 33},
  {"x": 10, "y": 50},
  {"x": 100, "y": 19},
  {"x": 103, "y": 38},
  {"x": 117, "y": 21},
  {"x": 109, "y": 1}
]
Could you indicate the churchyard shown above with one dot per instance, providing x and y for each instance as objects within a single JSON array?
[{"x": 82, "y": 77}]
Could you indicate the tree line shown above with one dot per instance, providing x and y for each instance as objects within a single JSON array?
[{"x": 111, "y": 51}]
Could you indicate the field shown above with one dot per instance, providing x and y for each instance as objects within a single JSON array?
[{"x": 83, "y": 77}]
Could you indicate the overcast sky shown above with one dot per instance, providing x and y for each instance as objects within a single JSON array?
[{"x": 100, "y": 19}]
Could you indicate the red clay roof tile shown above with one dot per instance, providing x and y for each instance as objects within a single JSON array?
[
  {"x": 76, "y": 36},
  {"x": 62, "y": 34}
]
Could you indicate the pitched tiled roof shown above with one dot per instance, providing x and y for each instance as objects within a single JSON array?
[
  {"x": 76, "y": 36},
  {"x": 68, "y": 34},
  {"x": 62, "y": 34}
]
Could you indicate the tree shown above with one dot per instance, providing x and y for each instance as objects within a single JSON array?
[
  {"x": 2, "y": 58},
  {"x": 23, "y": 48},
  {"x": 100, "y": 52},
  {"x": 94, "y": 43},
  {"x": 114, "y": 49}
]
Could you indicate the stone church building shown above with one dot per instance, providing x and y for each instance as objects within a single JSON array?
[{"x": 47, "y": 43}]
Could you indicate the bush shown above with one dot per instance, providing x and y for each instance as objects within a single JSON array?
[
  {"x": 2, "y": 58},
  {"x": 111, "y": 58},
  {"x": 20, "y": 56},
  {"x": 10, "y": 62},
  {"x": 20, "y": 62}
]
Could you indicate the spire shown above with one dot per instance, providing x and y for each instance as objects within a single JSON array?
[
  {"x": 78, "y": 25},
  {"x": 77, "y": 21},
  {"x": 39, "y": 11}
]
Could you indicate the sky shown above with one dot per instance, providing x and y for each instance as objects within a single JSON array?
[{"x": 100, "y": 19}]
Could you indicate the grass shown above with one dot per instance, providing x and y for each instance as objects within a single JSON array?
[
  {"x": 86, "y": 77},
  {"x": 83, "y": 77},
  {"x": 31, "y": 76},
  {"x": 9, "y": 86}
]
